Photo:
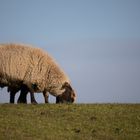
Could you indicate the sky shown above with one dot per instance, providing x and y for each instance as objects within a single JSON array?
[{"x": 96, "y": 42}]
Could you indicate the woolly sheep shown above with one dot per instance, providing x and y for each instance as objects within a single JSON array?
[{"x": 25, "y": 65}]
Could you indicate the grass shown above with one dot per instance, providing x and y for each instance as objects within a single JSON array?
[{"x": 70, "y": 122}]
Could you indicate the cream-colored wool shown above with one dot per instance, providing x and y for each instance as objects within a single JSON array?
[{"x": 30, "y": 66}]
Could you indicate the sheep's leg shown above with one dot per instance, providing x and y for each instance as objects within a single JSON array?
[
  {"x": 23, "y": 97},
  {"x": 13, "y": 92},
  {"x": 59, "y": 99},
  {"x": 23, "y": 94},
  {"x": 46, "y": 96},
  {"x": 12, "y": 97},
  {"x": 33, "y": 101}
]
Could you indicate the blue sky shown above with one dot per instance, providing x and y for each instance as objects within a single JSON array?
[{"x": 96, "y": 42}]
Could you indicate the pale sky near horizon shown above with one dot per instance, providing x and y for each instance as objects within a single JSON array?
[{"x": 96, "y": 42}]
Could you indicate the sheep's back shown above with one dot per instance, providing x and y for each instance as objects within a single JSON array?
[{"x": 14, "y": 61}]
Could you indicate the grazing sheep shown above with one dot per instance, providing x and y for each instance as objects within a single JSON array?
[{"x": 24, "y": 65}]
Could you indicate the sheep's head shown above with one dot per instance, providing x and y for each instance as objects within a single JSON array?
[{"x": 68, "y": 96}]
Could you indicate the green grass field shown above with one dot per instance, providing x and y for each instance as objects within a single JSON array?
[{"x": 70, "y": 122}]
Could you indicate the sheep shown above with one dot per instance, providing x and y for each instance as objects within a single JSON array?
[{"x": 37, "y": 70}]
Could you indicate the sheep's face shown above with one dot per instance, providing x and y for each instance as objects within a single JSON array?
[{"x": 68, "y": 96}]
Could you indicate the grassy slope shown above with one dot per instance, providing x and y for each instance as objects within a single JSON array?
[{"x": 72, "y": 122}]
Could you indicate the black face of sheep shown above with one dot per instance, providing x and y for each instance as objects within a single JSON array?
[{"x": 68, "y": 96}]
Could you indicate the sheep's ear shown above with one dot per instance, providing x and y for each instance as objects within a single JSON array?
[{"x": 66, "y": 85}]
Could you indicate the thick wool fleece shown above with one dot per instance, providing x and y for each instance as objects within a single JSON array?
[{"x": 23, "y": 64}]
